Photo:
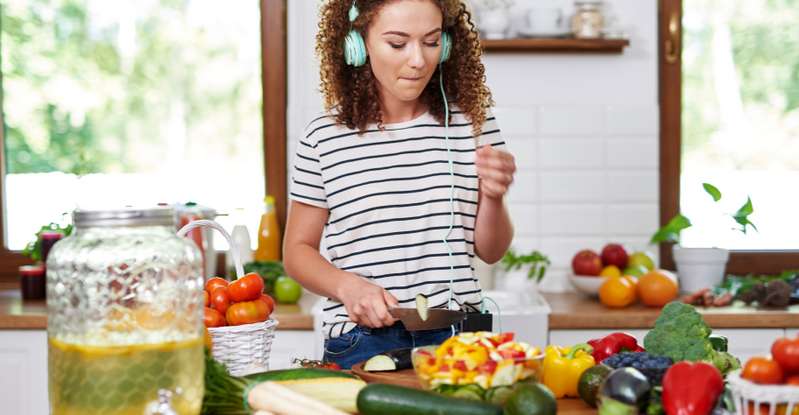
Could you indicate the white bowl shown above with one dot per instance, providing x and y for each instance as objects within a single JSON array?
[{"x": 587, "y": 284}]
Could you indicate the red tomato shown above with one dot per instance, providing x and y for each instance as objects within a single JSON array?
[
  {"x": 206, "y": 298},
  {"x": 214, "y": 283},
  {"x": 792, "y": 380},
  {"x": 220, "y": 299},
  {"x": 213, "y": 318},
  {"x": 786, "y": 353},
  {"x": 762, "y": 370},
  {"x": 331, "y": 365},
  {"x": 460, "y": 365},
  {"x": 270, "y": 303},
  {"x": 246, "y": 288},
  {"x": 246, "y": 312}
]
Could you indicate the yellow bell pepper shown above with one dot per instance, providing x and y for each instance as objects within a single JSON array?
[{"x": 563, "y": 367}]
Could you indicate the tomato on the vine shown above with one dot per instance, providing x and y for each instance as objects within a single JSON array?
[
  {"x": 213, "y": 318},
  {"x": 762, "y": 370},
  {"x": 220, "y": 299},
  {"x": 214, "y": 283},
  {"x": 246, "y": 312},
  {"x": 246, "y": 288}
]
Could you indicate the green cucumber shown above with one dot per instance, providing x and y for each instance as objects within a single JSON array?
[
  {"x": 380, "y": 399},
  {"x": 295, "y": 374}
]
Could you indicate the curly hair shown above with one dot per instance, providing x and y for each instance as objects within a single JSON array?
[{"x": 350, "y": 91}]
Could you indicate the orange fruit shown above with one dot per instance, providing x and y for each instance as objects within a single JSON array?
[
  {"x": 656, "y": 289},
  {"x": 617, "y": 291}
]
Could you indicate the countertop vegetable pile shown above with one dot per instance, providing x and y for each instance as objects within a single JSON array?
[{"x": 680, "y": 369}]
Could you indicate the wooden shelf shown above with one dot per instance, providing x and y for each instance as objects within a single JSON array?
[{"x": 561, "y": 45}]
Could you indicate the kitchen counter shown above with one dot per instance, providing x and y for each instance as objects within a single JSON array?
[
  {"x": 16, "y": 314},
  {"x": 571, "y": 311}
]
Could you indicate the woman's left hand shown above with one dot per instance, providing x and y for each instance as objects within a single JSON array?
[{"x": 495, "y": 170}]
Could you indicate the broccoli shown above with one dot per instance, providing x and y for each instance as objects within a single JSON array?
[{"x": 681, "y": 334}]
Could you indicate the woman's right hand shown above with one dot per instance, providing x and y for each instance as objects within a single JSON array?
[{"x": 367, "y": 304}]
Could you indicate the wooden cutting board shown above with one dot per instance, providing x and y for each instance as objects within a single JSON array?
[{"x": 405, "y": 377}]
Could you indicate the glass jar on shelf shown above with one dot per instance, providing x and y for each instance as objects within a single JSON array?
[
  {"x": 124, "y": 315},
  {"x": 587, "y": 22}
]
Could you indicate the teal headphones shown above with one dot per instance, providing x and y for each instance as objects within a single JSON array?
[{"x": 355, "y": 48}]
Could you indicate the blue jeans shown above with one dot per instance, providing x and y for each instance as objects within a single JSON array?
[{"x": 361, "y": 343}]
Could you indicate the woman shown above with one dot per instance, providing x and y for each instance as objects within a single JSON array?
[{"x": 404, "y": 186}]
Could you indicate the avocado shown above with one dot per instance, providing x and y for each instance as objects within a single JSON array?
[{"x": 531, "y": 399}]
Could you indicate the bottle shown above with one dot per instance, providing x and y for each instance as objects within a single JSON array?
[
  {"x": 240, "y": 237},
  {"x": 269, "y": 238}
]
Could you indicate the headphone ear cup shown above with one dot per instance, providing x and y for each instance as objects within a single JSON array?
[
  {"x": 354, "y": 49},
  {"x": 446, "y": 47}
]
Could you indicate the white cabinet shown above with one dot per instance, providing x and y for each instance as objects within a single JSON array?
[
  {"x": 23, "y": 364},
  {"x": 743, "y": 343},
  {"x": 291, "y": 344}
]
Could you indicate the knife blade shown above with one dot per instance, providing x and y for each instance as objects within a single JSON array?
[{"x": 437, "y": 318}]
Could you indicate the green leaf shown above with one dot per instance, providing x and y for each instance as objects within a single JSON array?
[
  {"x": 742, "y": 215},
  {"x": 713, "y": 191},
  {"x": 671, "y": 232}
]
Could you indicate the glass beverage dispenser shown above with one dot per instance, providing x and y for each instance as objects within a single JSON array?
[{"x": 124, "y": 299}]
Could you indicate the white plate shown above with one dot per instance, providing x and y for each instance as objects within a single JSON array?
[{"x": 586, "y": 284}]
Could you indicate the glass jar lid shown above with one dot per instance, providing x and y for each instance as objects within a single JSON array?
[{"x": 129, "y": 216}]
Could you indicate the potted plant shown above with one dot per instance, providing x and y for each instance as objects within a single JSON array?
[
  {"x": 536, "y": 264},
  {"x": 699, "y": 268}
]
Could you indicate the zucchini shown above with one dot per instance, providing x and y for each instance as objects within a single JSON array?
[
  {"x": 294, "y": 374},
  {"x": 380, "y": 399},
  {"x": 398, "y": 359}
]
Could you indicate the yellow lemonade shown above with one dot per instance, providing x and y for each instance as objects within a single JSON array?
[{"x": 124, "y": 380}]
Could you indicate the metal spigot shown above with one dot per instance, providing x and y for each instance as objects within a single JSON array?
[{"x": 164, "y": 404}]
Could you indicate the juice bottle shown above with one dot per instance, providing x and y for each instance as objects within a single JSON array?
[{"x": 269, "y": 238}]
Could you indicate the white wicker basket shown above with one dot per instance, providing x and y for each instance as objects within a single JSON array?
[
  {"x": 748, "y": 396},
  {"x": 242, "y": 349}
]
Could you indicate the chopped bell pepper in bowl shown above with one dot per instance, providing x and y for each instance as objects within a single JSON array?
[{"x": 483, "y": 358}]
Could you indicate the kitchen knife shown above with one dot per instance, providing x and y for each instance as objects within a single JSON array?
[{"x": 437, "y": 318}]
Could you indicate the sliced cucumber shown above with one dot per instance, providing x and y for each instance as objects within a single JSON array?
[{"x": 421, "y": 306}]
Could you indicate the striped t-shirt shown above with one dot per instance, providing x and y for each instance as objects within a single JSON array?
[{"x": 388, "y": 197}]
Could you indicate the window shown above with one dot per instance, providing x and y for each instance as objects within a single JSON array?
[
  {"x": 114, "y": 103},
  {"x": 730, "y": 117},
  {"x": 741, "y": 117}
]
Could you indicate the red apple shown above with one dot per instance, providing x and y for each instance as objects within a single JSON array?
[
  {"x": 614, "y": 254},
  {"x": 586, "y": 262}
]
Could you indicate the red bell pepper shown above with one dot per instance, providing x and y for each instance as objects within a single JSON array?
[
  {"x": 691, "y": 388},
  {"x": 612, "y": 344}
]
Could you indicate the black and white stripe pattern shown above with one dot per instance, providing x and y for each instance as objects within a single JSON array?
[{"x": 387, "y": 193}]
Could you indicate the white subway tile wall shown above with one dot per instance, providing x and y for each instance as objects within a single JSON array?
[{"x": 583, "y": 128}]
